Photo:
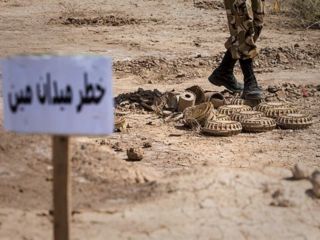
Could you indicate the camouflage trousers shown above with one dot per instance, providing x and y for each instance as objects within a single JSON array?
[{"x": 245, "y": 19}]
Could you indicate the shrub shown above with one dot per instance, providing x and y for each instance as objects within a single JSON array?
[{"x": 307, "y": 11}]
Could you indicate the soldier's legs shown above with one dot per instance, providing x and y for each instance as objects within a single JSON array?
[{"x": 245, "y": 19}]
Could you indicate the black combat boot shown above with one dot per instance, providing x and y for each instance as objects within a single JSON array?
[
  {"x": 251, "y": 89},
  {"x": 223, "y": 75}
]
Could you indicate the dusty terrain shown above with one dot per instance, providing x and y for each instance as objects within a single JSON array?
[{"x": 187, "y": 186}]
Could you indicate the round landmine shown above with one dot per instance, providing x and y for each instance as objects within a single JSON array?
[
  {"x": 222, "y": 128},
  {"x": 198, "y": 92},
  {"x": 231, "y": 109},
  {"x": 260, "y": 124},
  {"x": 213, "y": 115},
  {"x": 277, "y": 112},
  {"x": 208, "y": 95},
  {"x": 265, "y": 106},
  {"x": 200, "y": 113},
  {"x": 216, "y": 98},
  {"x": 219, "y": 117},
  {"x": 294, "y": 121},
  {"x": 186, "y": 99},
  {"x": 223, "y": 117},
  {"x": 240, "y": 116},
  {"x": 240, "y": 101}
]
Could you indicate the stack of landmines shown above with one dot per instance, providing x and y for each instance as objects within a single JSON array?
[{"x": 208, "y": 112}]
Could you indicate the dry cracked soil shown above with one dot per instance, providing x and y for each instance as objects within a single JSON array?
[{"x": 187, "y": 186}]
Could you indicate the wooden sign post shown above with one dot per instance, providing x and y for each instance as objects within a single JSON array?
[
  {"x": 61, "y": 187},
  {"x": 60, "y": 96}
]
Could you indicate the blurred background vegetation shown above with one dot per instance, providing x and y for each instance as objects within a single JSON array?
[{"x": 306, "y": 12}]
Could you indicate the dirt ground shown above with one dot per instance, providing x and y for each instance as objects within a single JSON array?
[{"x": 188, "y": 186}]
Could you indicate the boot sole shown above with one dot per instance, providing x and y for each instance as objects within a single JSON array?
[{"x": 219, "y": 83}]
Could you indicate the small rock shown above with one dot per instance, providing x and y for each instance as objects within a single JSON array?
[
  {"x": 166, "y": 113},
  {"x": 300, "y": 56},
  {"x": 281, "y": 202},
  {"x": 180, "y": 75},
  {"x": 282, "y": 58},
  {"x": 135, "y": 154},
  {"x": 278, "y": 193},
  {"x": 279, "y": 199},
  {"x": 304, "y": 92},
  {"x": 281, "y": 95},
  {"x": 273, "y": 89},
  {"x": 117, "y": 147},
  {"x": 197, "y": 44},
  {"x": 147, "y": 145},
  {"x": 299, "y": 172},
  {"x": 315, "y": 180}
]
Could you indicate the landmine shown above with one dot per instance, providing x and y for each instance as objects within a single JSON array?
[
  {"x": 200, "y": 113},
  {"x": 198, "y": 92},
  {"x": 277, "y": 112},
  {"x": 240, "y": 116},
  {"x": 257, "y": 125},
  {"x": 219, "y": 117},
  {"x": 223, "y": 117},
  {"x": 294, "y": 121},
  {"x": 186, "y": 99},
  {"x": 240, "y": 101},
  {"x": 216, "y": 98},
  {"x": 231, "y": 109},
  {"x": 167, "y": 105},
  {"x": 263, "y": 107},
  {"x": 222, "y": 128}
]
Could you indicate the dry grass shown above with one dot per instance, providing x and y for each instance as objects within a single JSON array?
[
  {"x": 76, "y": 9},
  {"x": 70, "y": 8},
  {"x": 307, "y": 12}
]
